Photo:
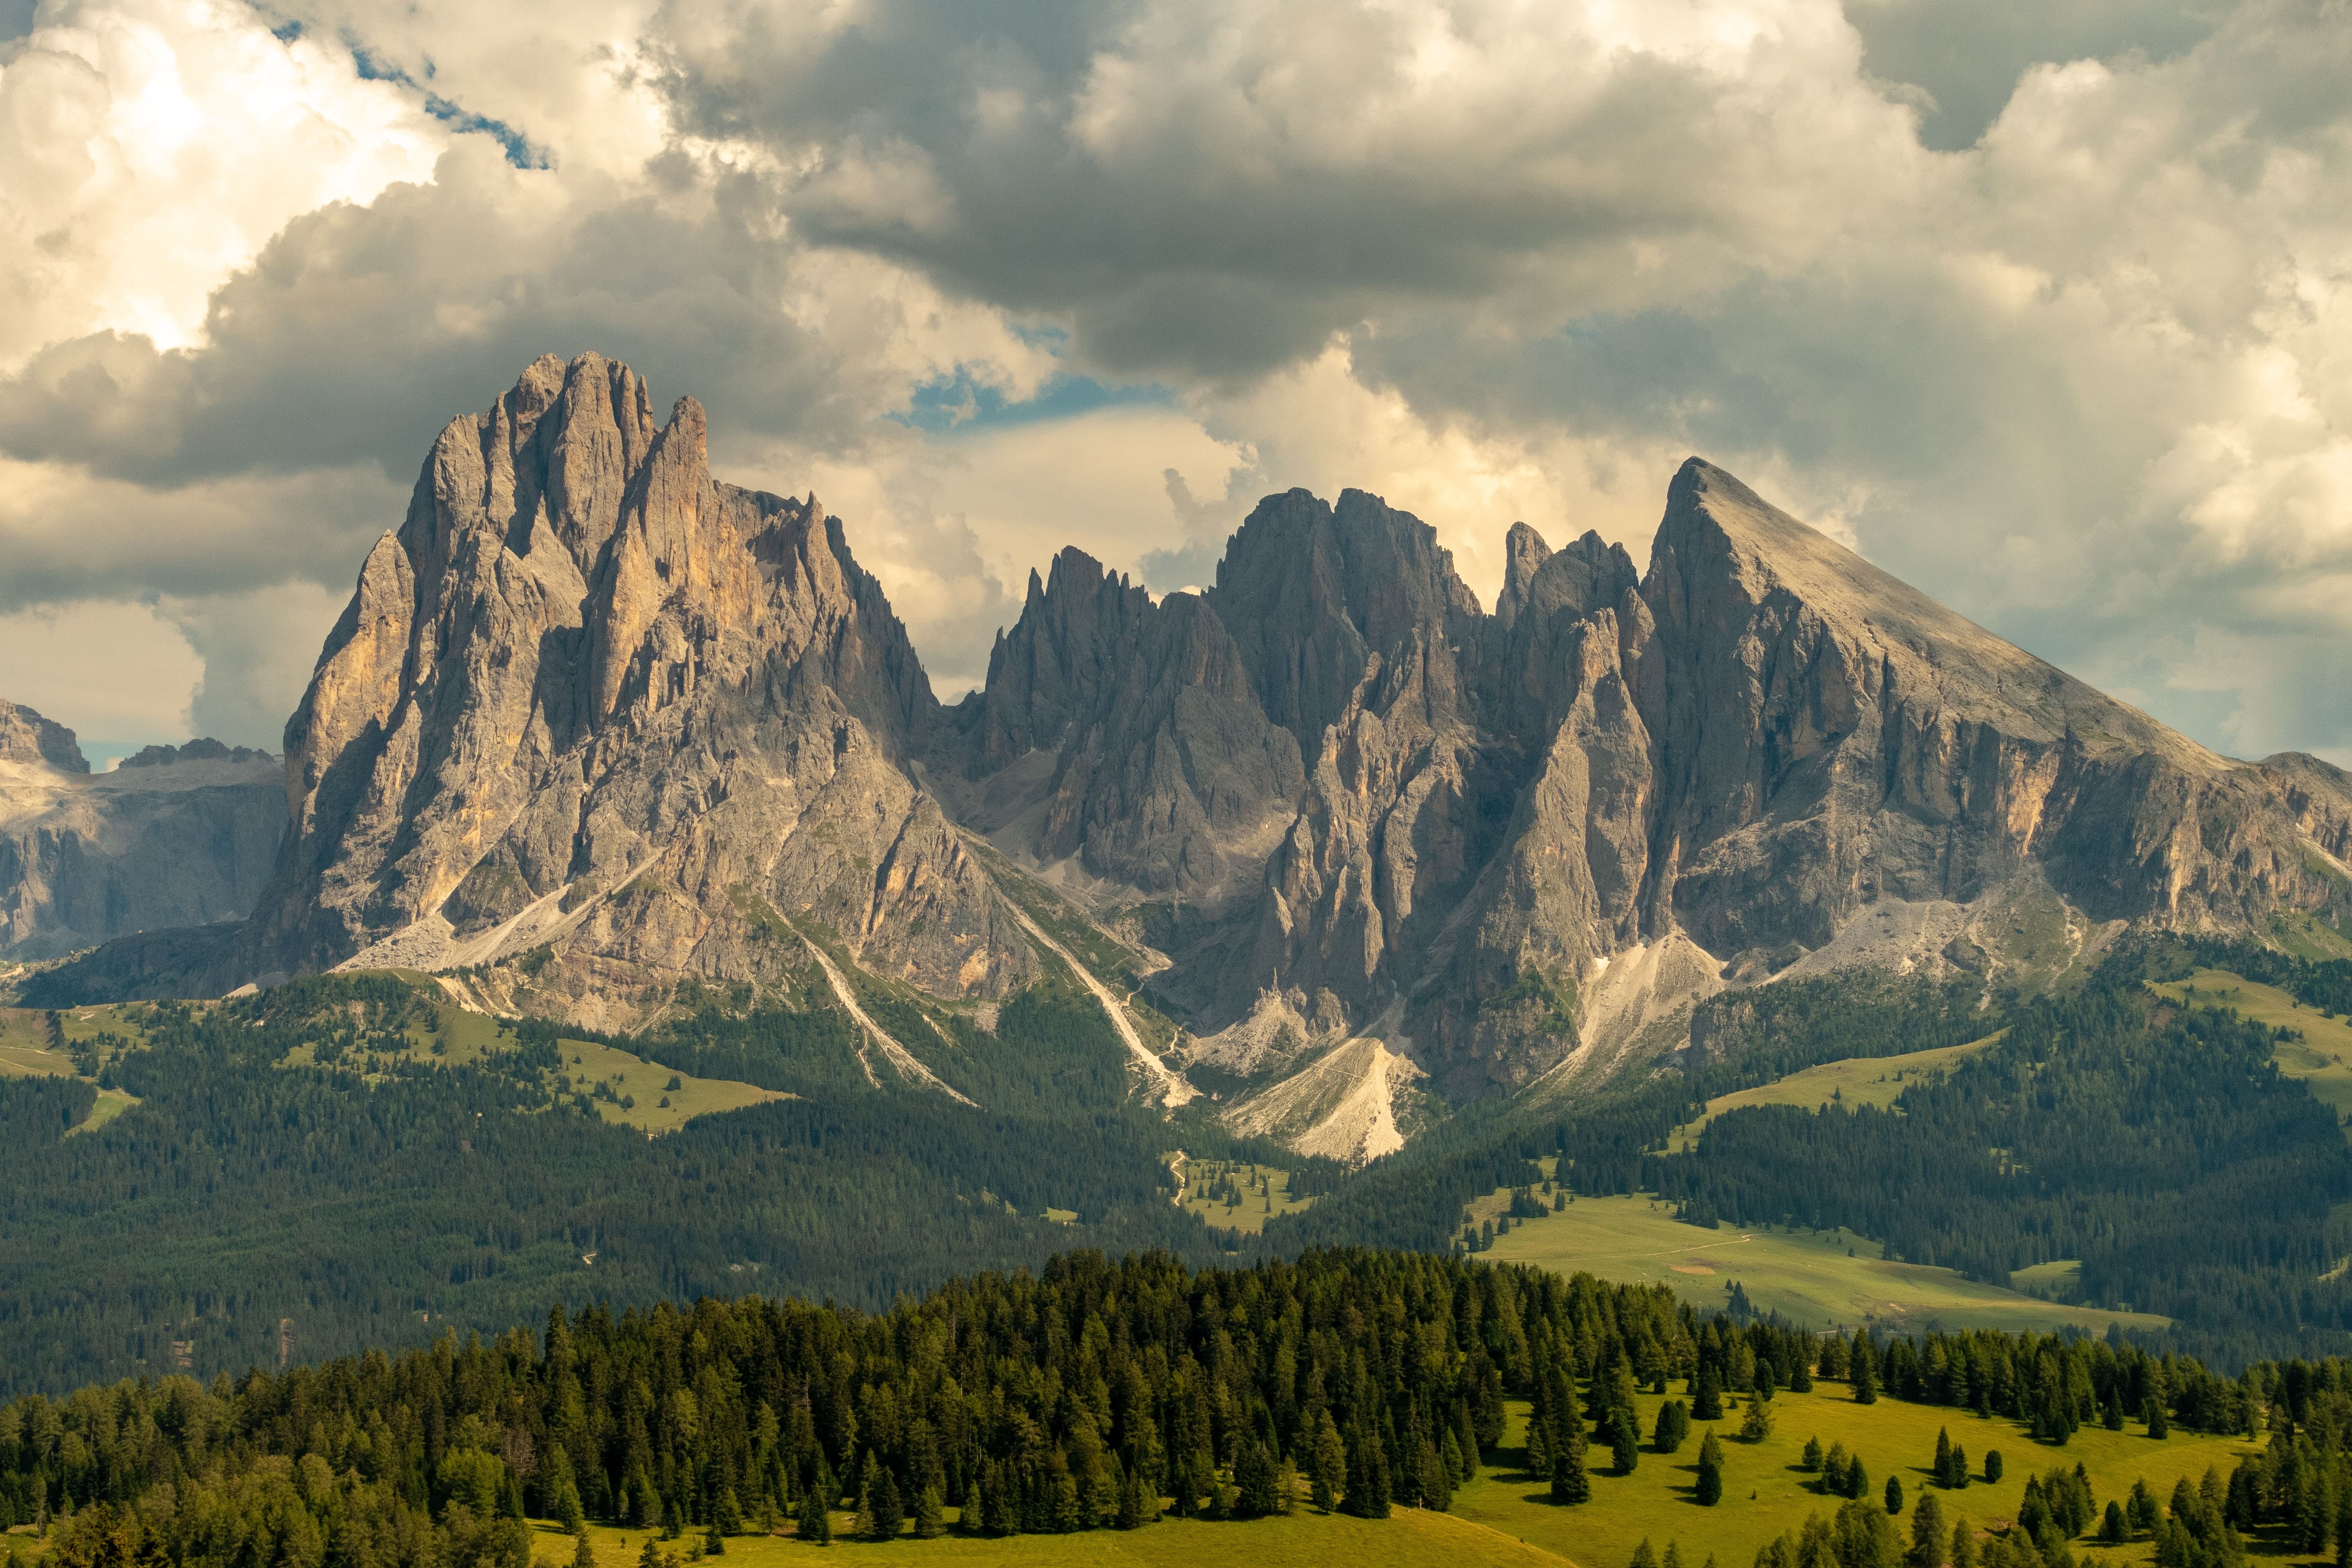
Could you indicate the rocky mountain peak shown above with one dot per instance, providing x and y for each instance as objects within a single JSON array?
[{"x": 26, "y": 737}]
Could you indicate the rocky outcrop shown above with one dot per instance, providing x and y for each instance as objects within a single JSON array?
[
  {"x": 26, "y": 737},
  {"x": 88, "y": 857}
]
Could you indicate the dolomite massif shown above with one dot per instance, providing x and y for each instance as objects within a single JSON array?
[
  {"x": 595, "y": 725},
  {"x": 178, "y": 836}
]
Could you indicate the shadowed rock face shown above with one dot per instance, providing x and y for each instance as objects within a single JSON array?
[
  {"x": 184, "y": 839},
  {"x": 590, "y": 699}
]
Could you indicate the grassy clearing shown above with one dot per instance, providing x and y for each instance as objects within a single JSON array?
[
  {"x": 1820, "y": 1279},
  {"x": 1766, "y": 1493},
  {"x": 25, "y": 1047},
  {"x": 1857, "y": 1080},
  {"x": 453, "y": 1038},
  {"x": 2321, "y": 1059},
  {"x": 1408, "y": 1539},
  {"x": 1265, "y": 1192},
  {"x": 25, "y": 1053}
]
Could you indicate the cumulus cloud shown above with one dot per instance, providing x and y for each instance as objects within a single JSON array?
[{"x": 2040, "y": 307}]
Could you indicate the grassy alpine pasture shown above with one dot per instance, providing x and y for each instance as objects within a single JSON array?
[
  {"x": 25, "y": 1052},
  {"x": 2321, "y": 1059},
  {"x": 1263, "y": 1189},
  {"x": 1815, "y": 1280},
  {"x": 1410, "y": 1538},
  {"x": 1856, "y": 1081},
  {"x": 1766, "y": 1492},
  {"x": 451, "y": 1037}
]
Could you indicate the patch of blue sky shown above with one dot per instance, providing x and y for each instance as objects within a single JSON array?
[
  {"x": 519, "y": 150},
  {"x": 960, "y": 402}
]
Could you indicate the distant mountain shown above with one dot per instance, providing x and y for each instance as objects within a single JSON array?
[
  {"x": 603, "y": 733},
  {"x": 185, "y": 838}
]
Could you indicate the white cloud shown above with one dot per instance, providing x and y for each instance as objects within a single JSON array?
[
  {"x": 119, "y": 675},
  {"x": 152, "y": 146},
  {"x": 2088, "y": 377}
]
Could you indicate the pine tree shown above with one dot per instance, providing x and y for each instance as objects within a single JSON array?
[
  {"x": 1710, "y": 1471},
  {"x": 931, "y": 1518},
  {"x": 1963, "y": 1553},
  {"x": 714, "y": 1544},
  {"x": 868, "y": 1480},
  {"x": 1707, "y": 1394},
  {"x": 1327, "y": 1464},
  {"x": 583, "y": 1554},
  {"x": 2152, "y": 1404},
  {"x": 1128, "y": 1514},
  {"x": 815, "y": 1522},
  {"x": 1894, "y": 1494},
  {"x": 1624, "y": 1448},
  {"x": 1756, "y": 1422},
  {"x": 1569, "y": 1482},
  {"x": 1943, "y": 1456},
  {"x": 1857, "y": 1479},
  {"x": 1254, "y": 1479},
  {"x": 1929, "y": 1535},
  {"x": 1864, "y": 1361},
  {"x": 1643, "y": 1557},
  {"x": 650, "y": 1555},
  {"x": 887, "y": 1511},
  {"x": 1811, "y": 1459}
]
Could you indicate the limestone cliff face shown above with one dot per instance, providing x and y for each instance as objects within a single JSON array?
[
  {"x": 184, "y": 839},
  {"x": 26, "y": 737},
  {"x": 1828, "y": 737},
  {"x": 1124, "y": 741}
]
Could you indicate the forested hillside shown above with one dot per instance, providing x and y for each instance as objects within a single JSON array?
[
  {"x": 1093, "y": 1395},
  {"x": 284, "y": 1163},
  {"x": 300, "y": 1179}
]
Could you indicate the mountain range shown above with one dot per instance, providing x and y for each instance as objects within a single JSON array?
[{"x": 600, "y": 736}]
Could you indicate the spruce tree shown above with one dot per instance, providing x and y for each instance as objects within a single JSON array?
[
  {"x": 931, "y": 1518},
  {"x": 1963, "y": 1553},
  {"x": 1707, "y": 1394},
  {"x": 1811, "y": 1459},
  {"x": 1624, "y": 1446},
  {"x": 1327, "y": 1464},
  {"x": 1710, "y": 1471},
  {"x": 583, "y": 1554},
  {"x": 1943, "y": 1471},
  {"x": 887, "y": 1511},
  {"x": 1857, "y": 1479},
  {"x": 1894, "y": 1494},
  {"x": 1929, "y": 1534},
  {"x": 1570, "y": 1483},
  {"x": 815, "y": 1522},
  {"x": 1864, "y": 1361}
]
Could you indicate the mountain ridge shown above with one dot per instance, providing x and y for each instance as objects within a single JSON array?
[{"x": 592, "y": 706}]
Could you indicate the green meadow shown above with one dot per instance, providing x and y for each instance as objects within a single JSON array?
[
  {"x": 1856, "y": 1081},
  {"x": 1815, "y": 1280},
  {"x": 2321, "y": 1059}
]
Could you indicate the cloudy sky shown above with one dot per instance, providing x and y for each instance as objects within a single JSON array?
[{"x": 2044, "y": 305}]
